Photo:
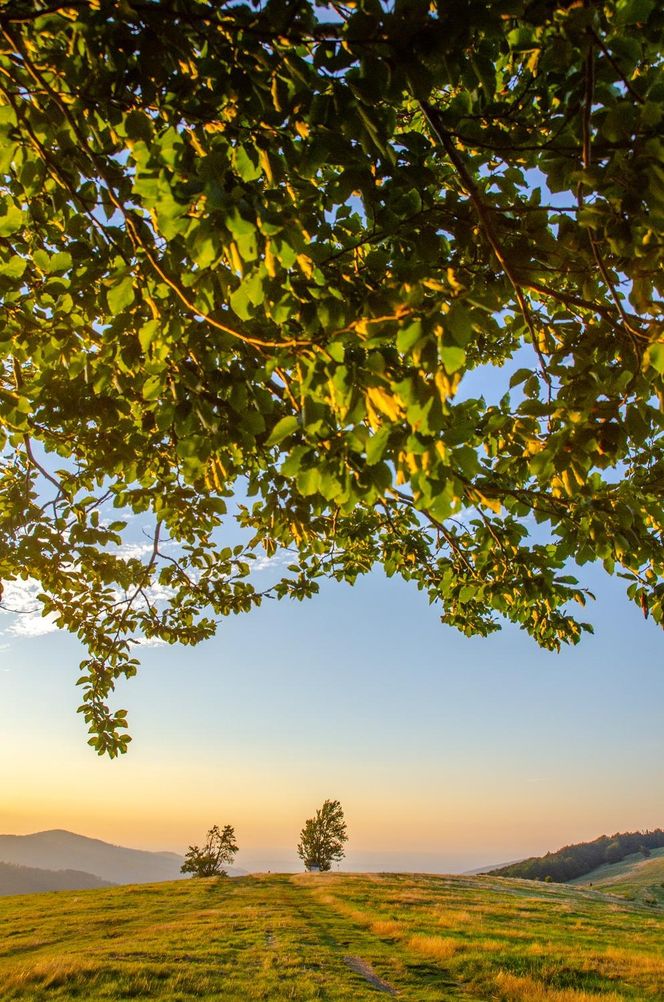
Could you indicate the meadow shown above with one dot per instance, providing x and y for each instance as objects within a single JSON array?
[{"x": 332, "y": 937}]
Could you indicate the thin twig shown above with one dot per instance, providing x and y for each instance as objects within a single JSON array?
[{"x": 635, "y": 94}]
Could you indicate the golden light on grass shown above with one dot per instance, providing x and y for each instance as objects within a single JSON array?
[
  {"x": 616, "y": 959},
  {"x": 453, "y": 917},
  {"x": 387, "y": 928},
  {"x": 290, "y": 937},
  {"x": 48, "y": 974},
  {"x": 436, "y": 947},
  {"x": 517, "y": 988}
]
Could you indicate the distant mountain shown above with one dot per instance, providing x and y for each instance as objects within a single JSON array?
[
  {"x": 63, "y": 850},
  {"x": 28, "y": 879}
]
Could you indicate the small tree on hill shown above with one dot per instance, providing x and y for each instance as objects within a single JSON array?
[
  {"x": 207, "y": 860},
  {"x": 323, "y": 836}
]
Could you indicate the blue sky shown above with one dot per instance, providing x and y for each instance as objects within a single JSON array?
[{"x": 445, "y": 752}]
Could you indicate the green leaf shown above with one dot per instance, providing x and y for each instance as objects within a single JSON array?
[
  {"x": 152, "y": 387},
  {"x": 14, "y": 268},
  {"x": 11, "y": 220},
  {"x": 633, "y": 11},
  {"x": 459, "y": 322},
  {"x": 655, "y": 356},
  {"x": 377, "y": 444},
  {"x": 245, "y": 165},
  {"x": 409, "y": 336},
  {"x": 60, "y": 262},
  {"x": 452, "y": 358},
  {"x": 286, "y": 426},
  {"x": 148, "y": 332},
  {"x": 308, "y": 481},
  {"x": 120, "y": 296},
  {"x": 520, "y": 376}
]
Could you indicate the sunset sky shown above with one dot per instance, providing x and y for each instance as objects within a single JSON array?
[{"x": 446, "y": 753}]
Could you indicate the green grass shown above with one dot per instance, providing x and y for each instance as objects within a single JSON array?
[
  {"x": 635, "y": 877},
  {"x": 282, "y": 937}
]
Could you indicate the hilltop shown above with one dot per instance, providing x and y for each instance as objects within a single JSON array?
[{"x": 337, "y": 937}]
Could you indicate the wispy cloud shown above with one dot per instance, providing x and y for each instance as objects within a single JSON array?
[
  {"x": 33, "y": 625},
  {"x": 20, "y": 598},
  {"x": 265, "y": 563},
  {"x": 148, "y": 642},
  {"x": 133, "y": 551}
]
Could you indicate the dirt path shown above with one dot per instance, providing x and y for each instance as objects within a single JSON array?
[
  {"x": 366, "y": 971},
  {"x": 358, "y": 949}
]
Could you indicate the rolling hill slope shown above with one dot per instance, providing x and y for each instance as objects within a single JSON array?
[
  {"x": 636, "y": 878},
  {"x": 577, "y": 861},
  {"x": 332, "y": 937}
]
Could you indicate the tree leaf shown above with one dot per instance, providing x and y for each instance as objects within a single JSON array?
[{"x": 286, "y": 426}]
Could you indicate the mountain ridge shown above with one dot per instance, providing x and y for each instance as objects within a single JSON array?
[{"x": 58, "y": 849}]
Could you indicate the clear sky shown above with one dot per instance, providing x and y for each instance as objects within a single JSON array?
[{"x": 446, "y": 753}]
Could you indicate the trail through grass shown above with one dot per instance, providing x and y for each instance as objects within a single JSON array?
[{"x": 331, "y": 937}]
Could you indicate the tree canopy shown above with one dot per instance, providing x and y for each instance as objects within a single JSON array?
[
  {"x": 323, "y": 837},
  {"x": 209, "y": 860},
  {"x": 250, "y": 255}
]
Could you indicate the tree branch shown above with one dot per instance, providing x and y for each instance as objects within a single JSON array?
[{"x": 484, "y": 214}]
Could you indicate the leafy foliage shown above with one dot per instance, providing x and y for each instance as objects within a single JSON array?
[
  {"x": 256, "y": 249},
  {"x": 576, "y": 860},
  {"x": 323, "y": 837},
  {"x": 220, "y": 847}
]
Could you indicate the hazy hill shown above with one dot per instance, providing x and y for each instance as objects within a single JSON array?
[
  {"x": 63, "y": 850},
  {"x": 491, "y": 868},
  {"x": 28, "y": 880},
  {"x": 340, "y": 937}
]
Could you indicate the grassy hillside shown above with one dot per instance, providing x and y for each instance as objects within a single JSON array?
[
  {"x": 636, "y": 878},
  {"x": 331, "y": 937}
]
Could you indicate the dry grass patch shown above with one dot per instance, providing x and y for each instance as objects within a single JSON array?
[
  {"x": 436, "y": 947},
  {"x": 451, "y": 917},
  {"x": 50, "y": 974},
  {"x": 387, "y": 928},
  {"x": 513, "y": 988},
  {"x": 624, "y": 962}
]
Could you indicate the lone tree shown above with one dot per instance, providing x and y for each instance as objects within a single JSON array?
[
  {"x": 256, "y": 249},
  {"x": 323, "y": 836},
  {"x": 208, "y": 861}
]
